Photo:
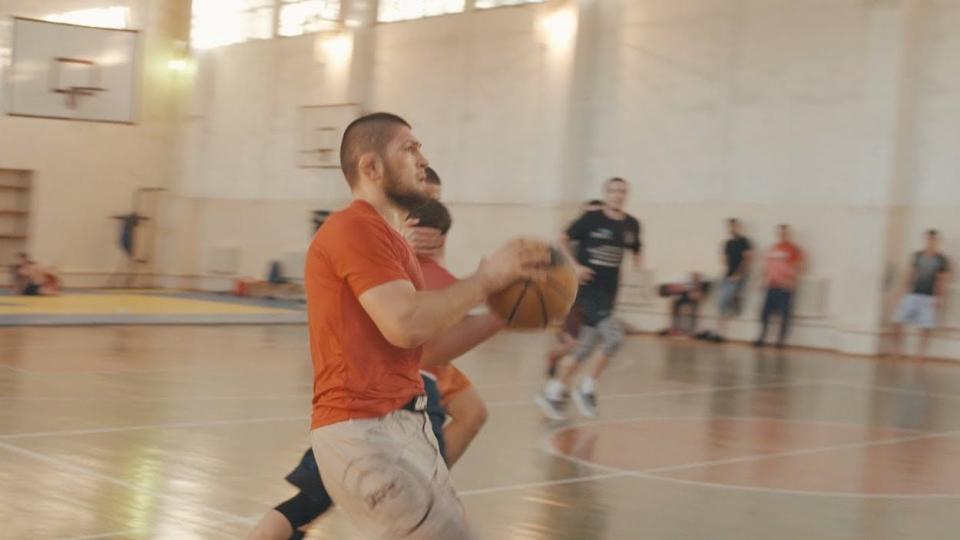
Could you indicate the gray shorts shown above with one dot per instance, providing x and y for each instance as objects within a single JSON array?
[
  {"x": 387, "y": 475},
  {"x": 730, "y": 296},
  {"x": 917, "y": 309},
  {"x": 608, "y": 332}
]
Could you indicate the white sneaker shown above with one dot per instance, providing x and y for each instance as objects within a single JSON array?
[
  {"x": 551, "y": 408},
  {"x": 586, "y": 403}
]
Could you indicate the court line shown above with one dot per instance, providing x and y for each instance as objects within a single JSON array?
[
  {"x": 503, "y": 403},
  {"x": 77, "y": 469},
  {"x": 655, "y": 473},
  {"x": 890, "y": 389},
  {"x": 16, "y": 369},
  {"x": 239, "y": 421},
  {"x": 614, "y": 472},
  {"x": 306, "y": 396},
  {"x": 662, "y": 393},
  {"x": 587, "y": 423},
  {"x": 107, "y": 534},
  {"x": 545, "y": 483}
]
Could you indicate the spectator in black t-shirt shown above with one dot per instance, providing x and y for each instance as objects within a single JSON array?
[
  {"x": 737, "y": 256},
  {"x": 601, "y": 237}
]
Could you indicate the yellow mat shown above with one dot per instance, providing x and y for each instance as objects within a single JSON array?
[{"x": 95, "y": 304}]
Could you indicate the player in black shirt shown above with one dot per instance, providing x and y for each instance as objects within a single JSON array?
[{"x": 601, "y": 237}]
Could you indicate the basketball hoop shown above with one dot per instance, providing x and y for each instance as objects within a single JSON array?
[
  {"x": 325, "y": 155},
  {"x": 75, "y": 78},
  {"x": 73, "y": 92}
]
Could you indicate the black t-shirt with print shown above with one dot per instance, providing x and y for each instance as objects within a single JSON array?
[
  {"x": 928, "y": 267},
  {"x": 601, "y": 241},
  {"x": 733, "y": 252}
]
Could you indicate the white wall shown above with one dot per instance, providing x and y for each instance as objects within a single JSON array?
[
  {"x": 485, "y": 95},
  {"x": 839, "y": 117},
  {"x": 820, "y": 114},
  {"x": 934, "y": 193},
  {"x": 488, "y": 71},
  {"x": 85, "y": 172}
]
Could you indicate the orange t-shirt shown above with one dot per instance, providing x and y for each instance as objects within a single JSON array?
[
  {"x": 357, "y": 373},
  {"x": 435, "y": 276},
  {"x": 783, "y": 261},
  {"x": 450, "y": 380}
]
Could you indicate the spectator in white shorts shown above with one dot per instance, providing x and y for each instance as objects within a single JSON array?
[{"x": 926, "y": 283}]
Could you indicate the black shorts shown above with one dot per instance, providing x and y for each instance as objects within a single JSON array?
[
  {"x": 595, "y": 304},
  {"x": 306, "y": 475}
]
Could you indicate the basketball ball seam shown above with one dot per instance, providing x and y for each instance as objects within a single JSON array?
[
  {"x": 543, "y": 308},
  {"x": 516, "y": 306}
]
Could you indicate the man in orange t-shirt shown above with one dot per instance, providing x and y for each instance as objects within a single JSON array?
[
  {"x": 783, "y": 267},
  {"x": 448, "y": 391},
  {"x": 370, "y": 322}
]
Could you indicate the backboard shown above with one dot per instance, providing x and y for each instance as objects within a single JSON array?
[
  {"x": 74, "y": 72},
  {"x": 320, "y": 130}
]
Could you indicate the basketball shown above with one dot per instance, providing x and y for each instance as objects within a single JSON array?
[{"x": 528, "y": 304}]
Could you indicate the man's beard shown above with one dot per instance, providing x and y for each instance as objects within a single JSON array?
[{"x": 403, "y": 197}]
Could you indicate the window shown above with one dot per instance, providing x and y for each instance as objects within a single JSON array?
[
  {"x": 106, "y": 17},
  {"x": 299, "y": 17},
  {"x": 222, "y": 22},
  {"x": 487, "y": 4},
  {"x": 402, "y": 10}
]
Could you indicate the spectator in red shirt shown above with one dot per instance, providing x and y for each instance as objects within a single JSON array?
[{"x": 784, "y": 264}]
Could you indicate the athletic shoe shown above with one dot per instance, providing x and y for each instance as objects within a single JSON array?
[
  {"x": 587, "y": 403},
  {"x": 551, "y": 408}
]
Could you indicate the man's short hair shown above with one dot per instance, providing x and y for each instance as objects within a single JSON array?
[
  {"x": 614, "y": 180},
  {"x": 370, "y": 133}
]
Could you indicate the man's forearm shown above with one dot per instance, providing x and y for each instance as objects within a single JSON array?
[
  {"x": 435, "y": 311},
  {"x": 460, "y": 339},
  {"x": 741, "y": 270},
  {"x": 566, "y": 246}
]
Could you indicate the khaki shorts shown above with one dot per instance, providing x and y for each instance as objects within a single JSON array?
[{"x": 387, "y": 475}]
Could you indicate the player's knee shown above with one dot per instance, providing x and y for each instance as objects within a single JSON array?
[
  {"x": 611, "y": 347},
  {"x": 584, "y": 349},
  {"x": 582, "y": 353},
  {"x": 475, "y": 414},
  {"x": 468, "y": 410},
  {"x": 612, "y": 342},
  {"x": 481, "y": 414}
]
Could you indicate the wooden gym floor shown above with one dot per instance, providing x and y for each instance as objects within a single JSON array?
[{"x": 187, "y": 431}]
